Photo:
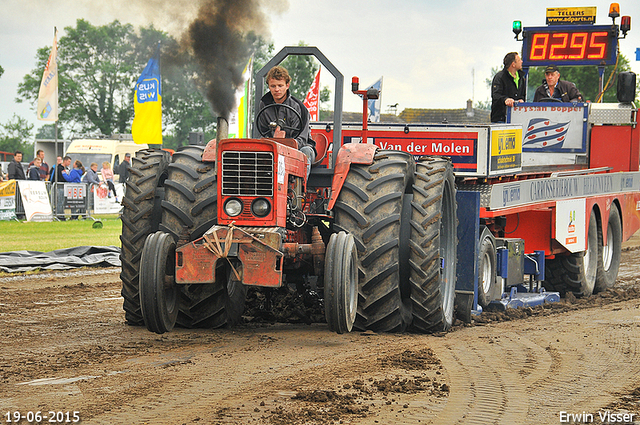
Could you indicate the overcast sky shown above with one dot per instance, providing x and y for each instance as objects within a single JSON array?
[{"x": 427, "y": 51}]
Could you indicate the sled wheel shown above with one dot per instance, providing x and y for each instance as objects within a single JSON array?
[
  {"x": 158, "y": 288},
  {"x": 341, "y": 282},
  {"x": 609, "y": 254},
  {"x": 575, "y": 272},
  {"x": 487, "y": 279}
]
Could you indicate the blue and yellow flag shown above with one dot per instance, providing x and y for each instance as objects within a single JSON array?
[{"x": 147, "y": 104}]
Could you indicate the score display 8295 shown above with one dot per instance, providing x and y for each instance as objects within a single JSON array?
[{"x": 583, "y": 45}]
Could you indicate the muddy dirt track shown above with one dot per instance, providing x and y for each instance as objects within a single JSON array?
[{"x": 65, "y": 348}]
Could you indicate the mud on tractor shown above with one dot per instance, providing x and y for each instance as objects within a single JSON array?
[{"x": 373, "y": 230}]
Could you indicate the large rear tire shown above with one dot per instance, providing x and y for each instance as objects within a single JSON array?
[
  {"x": 140, "y": 217},
  {"x": 369, "y": 207},
  {"x": 190, "y": 204},
  {"x": 159, "y": 293},
  {"x": 341, "y": 282},
  {"x": 575, "y": 272},
  {"x": 189, "y": 209},
  {"x": 609, "y": 254},
  {"x": 433, "y": 246}
]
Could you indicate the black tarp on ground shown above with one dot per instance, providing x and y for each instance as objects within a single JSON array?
[{"x": 60, "y": 259}]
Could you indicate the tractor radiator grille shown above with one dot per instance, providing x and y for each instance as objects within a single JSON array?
[{"x": 247, "y": 173}]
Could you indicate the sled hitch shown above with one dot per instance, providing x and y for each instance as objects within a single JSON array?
[{"x": 515, "y": 299}]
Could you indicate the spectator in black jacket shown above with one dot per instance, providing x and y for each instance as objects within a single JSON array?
[
  {"x": 16, "y": 172},
  {"x": 508, "y": 87},
  {"x": 34, "y": 169},
  {"x": 554, "y": 88},
  {"x": 123, "y": 168}
]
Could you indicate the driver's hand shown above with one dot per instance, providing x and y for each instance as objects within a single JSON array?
[{"x": 278, "y": 133}]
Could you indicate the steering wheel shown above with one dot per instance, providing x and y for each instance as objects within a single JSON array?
[
  {"x": 268, "y": 132},
  {"x": 550, "y": 99}
]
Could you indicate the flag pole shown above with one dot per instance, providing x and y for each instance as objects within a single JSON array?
[{"x": 55, "y": 143}]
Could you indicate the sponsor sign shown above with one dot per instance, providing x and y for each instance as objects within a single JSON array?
[
  {"x": 506, "y": 149},
  {"x": 461, "y": 147},
  {"x": 35, "y": 200},
  {"x": 571, "y": 224},
  {"x": 75, "y": 195},
  {"x": 514, "y": 194},
  {"x": 8, "y": 200},
  {"x": 551, "y": 128},
  {"x": 571, "y": 15},
  {"x": 102, "y": 204}
]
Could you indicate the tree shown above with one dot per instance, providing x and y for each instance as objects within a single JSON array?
[
  {"x": 302, "y": 69},
  {"x": 1, "y": 71},
  {"x": 47, "y": 131},
  {"x": 15, "y": 135},
  {"x": 586, "y": 78},
  {"x": 95, "y": 76},
  {"x": 98, "y": 68}
]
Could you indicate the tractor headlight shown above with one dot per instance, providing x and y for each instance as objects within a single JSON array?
[
  {"x": 233, "y": 207},
  {"x": 260, "y": 207}
]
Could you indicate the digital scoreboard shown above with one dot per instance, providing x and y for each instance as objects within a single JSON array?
[{"x": 570, "y": 45}]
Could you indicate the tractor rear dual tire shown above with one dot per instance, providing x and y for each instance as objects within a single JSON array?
[
  {"x": 369, "y": 207},
  {"x": 189, "y": 209},
  {"x": 140, "y": 217},
  {"x": 402, "y": 216},
  {"x": 433, "y": 246}
]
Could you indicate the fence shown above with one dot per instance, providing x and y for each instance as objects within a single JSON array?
[{"x": 75, "y": 200}]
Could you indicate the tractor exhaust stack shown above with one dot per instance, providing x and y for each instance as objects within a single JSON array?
[{"x": 222, "y": 129}]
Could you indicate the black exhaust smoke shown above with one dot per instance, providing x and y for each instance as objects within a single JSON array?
[{"x": 222, "y": 38}]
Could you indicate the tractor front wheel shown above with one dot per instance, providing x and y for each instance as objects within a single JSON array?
[
  {"x": 159, "y": 293},
  {"x": 341, "y": 282}
]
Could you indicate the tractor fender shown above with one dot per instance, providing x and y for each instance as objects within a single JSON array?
[
  {"x": 210, "y": 151},
  {"x": 349, "y": 153}
]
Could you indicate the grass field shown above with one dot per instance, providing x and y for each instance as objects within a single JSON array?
[{"x": 48, "y": 236}]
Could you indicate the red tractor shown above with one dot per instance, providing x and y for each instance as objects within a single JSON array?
[{"x": 371, "y": 228}]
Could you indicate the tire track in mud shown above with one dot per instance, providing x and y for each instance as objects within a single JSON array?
[
  {"x": 248, "y": 368},
  {"x": 529, "y": 377},
  {"x": 587, "y": 376}
]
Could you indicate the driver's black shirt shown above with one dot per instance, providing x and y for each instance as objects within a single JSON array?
[{"x": 288, "y": 117}]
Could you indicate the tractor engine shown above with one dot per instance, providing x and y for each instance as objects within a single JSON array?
[{"x": 260, "y": 183}]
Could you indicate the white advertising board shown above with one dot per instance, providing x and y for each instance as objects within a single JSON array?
[
  {"x": 571, "y": 224},
  {"x": 35, "y": 199}
]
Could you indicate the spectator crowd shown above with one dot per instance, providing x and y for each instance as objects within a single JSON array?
[
  {"x": 63, "y": 172},
  {"x": 66, "y": 170}
]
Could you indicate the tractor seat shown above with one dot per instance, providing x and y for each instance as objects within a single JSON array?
[{"x": 322, "y": 144}]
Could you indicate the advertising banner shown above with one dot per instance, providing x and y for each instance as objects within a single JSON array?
[
  {"x": 102, "y": 203},
  {"x": 35, "y": 200},
  {"x": 8, "y": 200}
]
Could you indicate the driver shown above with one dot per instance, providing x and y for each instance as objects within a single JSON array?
[
  {"x": 285, "y": 120},
  {"x": 554, "y": 88}
]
